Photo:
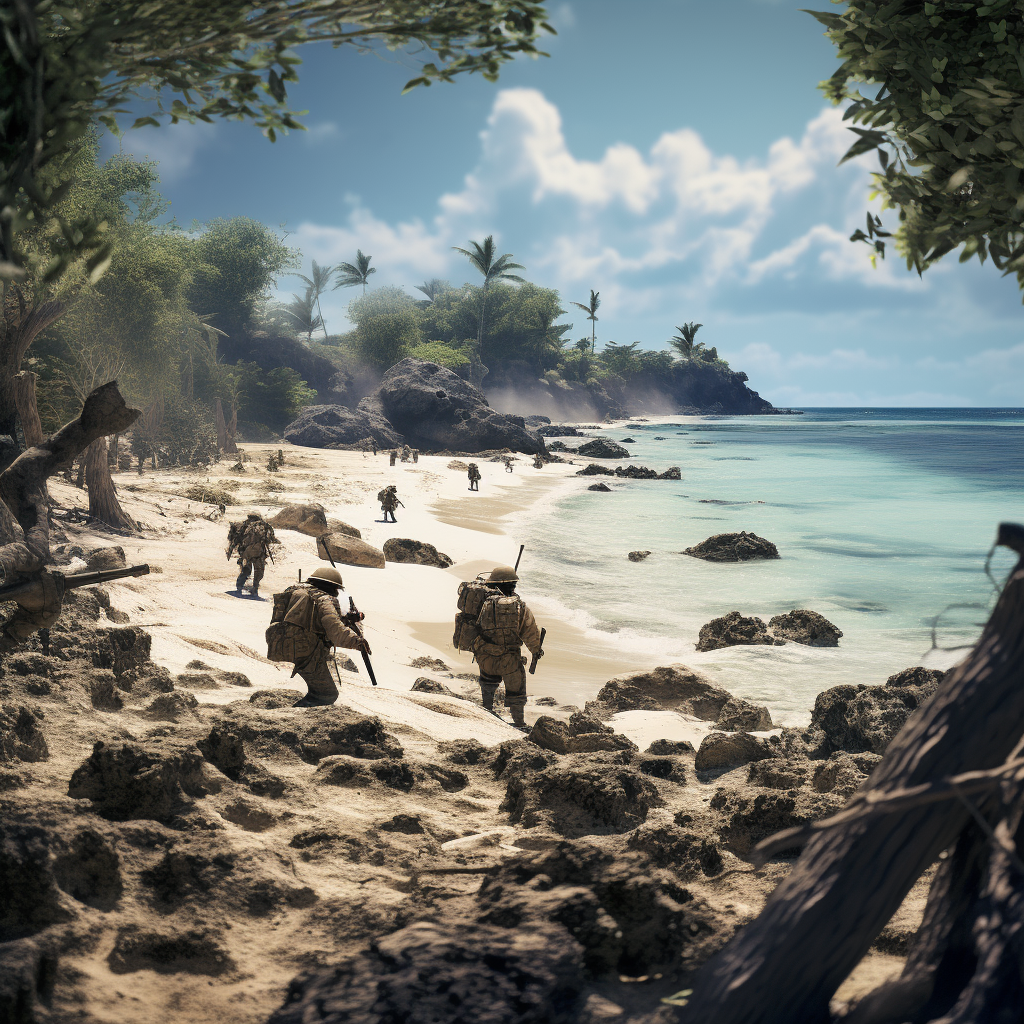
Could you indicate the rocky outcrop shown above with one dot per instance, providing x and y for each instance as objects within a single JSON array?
[
  {"x": 727, "y": 750},
  {"x": 435, "y": 409},
  {"x": 734, "y": 630},
  {"x": 558, "y": 430},
  {"x": 320, "y": 426},
  {"x": 805, "y": 627},
  {"x": 738, "y": 715},
  {"x": 733, "y": 547},
  {"x": 598, "y": 487},
  {"x": 21, "y": 739},
  {"x": 746, "y": 816},
  {"x": 629, "y": 472},
  {"x": 690, "y": 852},
  {"x": 581, "y": 734},
  {"x": 637, "y": 556},
  {"x": 400, "y": 549},
  {"x": 310, "y": 519},
  {"x": 674, "y": 687},
  {"x": 339, "y": 547},
  {"x": 427, "y": 685},
  {"x": 105, "y": 558},
  {"x": 603, "y": 448}
]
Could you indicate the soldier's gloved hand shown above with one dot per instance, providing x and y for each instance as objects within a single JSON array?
[
  {"x": 364, "y": 646},
  {"x": 539, "y": 654}
]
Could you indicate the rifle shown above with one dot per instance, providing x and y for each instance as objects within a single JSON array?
[
  {"x": 515, "y": 568},
  {"x": 34, "y": 587},
  {"x": 536, "y": 657},
  {"x": 352, "y": 620}
]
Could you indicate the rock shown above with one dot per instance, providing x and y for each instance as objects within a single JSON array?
[
  {"x": 249, "y": 814},
  {"x": 103, "y": 691},
  {"x": 537, "y": 421},
  {"x": 671, "y": 769},
  {"x": 598, "y": 487},
  {"x": 336, "y": 731},
  {"x": 32, "y": 901},
  {"x": 628, "y": 440},
  {"x": 407, "y": 824},
  {"x": 319, "y": 426},
  {"x": 779, "y": 773},
  {"x": 673, "y": 686},
  {"x": 196, "y": 951},
  {"x": 105, "y": 558},
  {"x": 722, "y": 750},
  {"x": 551, "y": 734},
  {"x": 337, "y": 526},
  {"x": 733, "y": 547},
  {"x": 865, "y": 718},
  {"x": 433, "y": 664},
  {"x": 272, "y": 699},
  {"x": 427, "y": 685},
  {"x": 691, "y": 855},
  {"x": 426, "y": 973},
  {"x": 741, "y": 716},
  {"x": 398, "y": 549},
  {"x": 843, "y": 774},
  {"x": 637, "y": 556},
  {"x": 559, "y": 430},
  {"x": 581, "y": 734},
  {"x": 670, "y": 747},
  {"x": 349, "y": 550},
  {"x": 171, "y": 707},
  {"x": 746, "y": 817},
  {"x": 308, "y": 519},
  {"x": 592, "y": 470},
  {"x": 342, "y": 770},
  {"x": 153, "y": 780},
  {"x": 197, "y": 681},
  {"x": 471, "y": 752},
  {"x": 579, "y": 793},
  {"x": 435, "y": 409},
  {"x": 734, "y": 630},
  {"x": 261, "y": 781},
  {"x": 805, "y": 627},
  {"x": 21, "y": 739},
  {"x": 224, "y": 748},
  {"x": 233, "y": 678},
  {"x": 603, "y": 448},
  {"x": 458, "y": 465}
]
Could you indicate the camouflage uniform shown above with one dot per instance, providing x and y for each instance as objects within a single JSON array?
[
  {"x": 393, "y": 456},
  {"x": 388, "y": 499},
  {"x": 252, "y": 539},
  {"x": 501, "y": 661},
  {"x": 474, "y": 477},
  {"x": 538, "y": 462},
  {"x": 320, "y": 615}
]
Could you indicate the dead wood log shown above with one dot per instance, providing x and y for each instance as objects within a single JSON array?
[
  {"x": 103, "y": 502},
  {"x": 28, "y": 412},
  {"x": 788, "y": 962},
  {"x": 23, "y": 483}
]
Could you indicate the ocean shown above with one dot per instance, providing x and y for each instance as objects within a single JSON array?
[{"x": 883, "y": 519}]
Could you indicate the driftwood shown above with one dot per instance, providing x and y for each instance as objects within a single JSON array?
[
  {"x": 28, "y": 412},
  {"x": 103, "y": 502},
  {"x": 851, "y": 878}
]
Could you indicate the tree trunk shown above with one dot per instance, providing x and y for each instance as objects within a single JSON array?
[
  {"x": 103, "y": 503},
  {"x": 23, "y": 483},
  {"x": 788, "y": 962},
  {"x": 222, "y": 427},
  {"x": 232, "y": 429},
  {"x": 80, "y": 476},
  {"x": 28, "y": 413}
]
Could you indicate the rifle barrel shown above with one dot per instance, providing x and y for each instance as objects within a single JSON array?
[{"x": 89, "y": 579}]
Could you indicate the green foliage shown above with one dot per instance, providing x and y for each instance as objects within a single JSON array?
[
  {"x": 272, "y": 397},
  {"x": 494, "y": 268},
  {"x": 441, "y": 353},
  {"x": 433, "y": 289},
  {"x": 302, "y": 310},
  {"x": 684, "y": 342},
  {"x": 66, "y": 66},
  {"x": 521, "y": 327},
  {"x": 947, "y": 122},
  {"x": 234, "y": 263},
  {"x": 622, "y": 360},
  {"x": 591, "y": 309},
  {"x": 352, "y": 274},
  {"x": 387, "y": 325}
]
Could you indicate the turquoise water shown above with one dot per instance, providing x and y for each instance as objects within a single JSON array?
[{"x": 882, "y": 517}]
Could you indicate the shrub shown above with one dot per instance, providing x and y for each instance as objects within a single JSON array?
[
  {"x": 209, "y": 494},
  {"x": 443, "y": 354},
  {"x": 387, "y": 325}
]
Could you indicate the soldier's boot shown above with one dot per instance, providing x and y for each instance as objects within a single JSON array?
[
  {"x": 240, "y": 582},
  {"x": 518, "y": 718},
  {"x": 255, "y": 590}
]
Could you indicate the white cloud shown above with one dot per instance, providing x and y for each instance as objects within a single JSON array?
[{"x": 174, "y": 146}]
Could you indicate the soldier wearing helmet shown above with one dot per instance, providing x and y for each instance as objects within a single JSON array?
[
  {"x": 307, "y": 621},
  {"x": 505, "y": 624},
  {"x": 252, "y": 539},
  {"x": 473, "y": 473}
]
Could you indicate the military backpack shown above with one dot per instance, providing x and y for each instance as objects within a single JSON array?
[
  {"x": 471, "y": 599},
  {"x": 288, "y": 641}
]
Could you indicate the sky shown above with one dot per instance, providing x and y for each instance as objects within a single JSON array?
[{"x": 673, "y": 155}]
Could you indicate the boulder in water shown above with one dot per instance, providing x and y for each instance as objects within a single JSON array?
[
  {"x": 598, "y": 487},
  {"x": 733, "y": 547},
  {"x": 734, "y": 630},
  {"x": 805, "y": 627},
  {"x": 603, "y": 448},
  {"x": 401, "y": 549},
  {"x": 637, "y": 556}
]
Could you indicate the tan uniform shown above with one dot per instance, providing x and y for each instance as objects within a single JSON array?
[
  {"x": 320, "y": 614},
  {"x": 504, "y": 662},
  {"x": 253, "y": 543}
]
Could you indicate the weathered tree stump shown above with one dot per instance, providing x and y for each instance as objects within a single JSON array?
[
  {"x": 787, "y": 963},
  {"x": 103, "y": 502},
  {"x": 28, "y": 412}
]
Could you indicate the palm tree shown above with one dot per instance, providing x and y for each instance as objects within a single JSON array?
[
  {"x": 318, "y": 283},
  {"x": 494, "y": 269},
  {"x": 591, "y": 312},
  {"x": 434, "y": 288},
  {"x": 300, "y": 309},
  {"x": 351, "y": 274},
  {"x": 684, "y": 344}
]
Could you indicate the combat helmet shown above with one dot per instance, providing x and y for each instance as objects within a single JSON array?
[
  {"x": 254, "y": 515},
  {"x": 503, "y": 574},
  {"x": 327, "y": 574}
]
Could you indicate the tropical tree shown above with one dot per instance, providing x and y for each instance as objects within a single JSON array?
[
  {"x": 591, "y": 311},
  {"x": 683, "y": 342},
  {"x": 946, "y": 122},
  {"x": 387, "y": 325},
  {"x": 351, "y": 274},
  {"x": 494, "y": 268},
  {"x": 434, "y": 288},
  {"x": 321, "y": 277},
  {"x": 302, "y": 310}
]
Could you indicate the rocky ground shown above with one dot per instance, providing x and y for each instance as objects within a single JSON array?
[{"x": 164, "y": 858}]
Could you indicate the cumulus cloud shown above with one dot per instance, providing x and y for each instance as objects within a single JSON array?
[{"x": 174, "y": 146}]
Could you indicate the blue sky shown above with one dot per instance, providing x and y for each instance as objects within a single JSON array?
[{"x": 679, "y": 160}]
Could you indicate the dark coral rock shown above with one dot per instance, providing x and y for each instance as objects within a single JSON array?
[
  {"x": 734, "y": 630},
  {"x": 733, "y": 547},
  {"x": 805, "y": 627}
]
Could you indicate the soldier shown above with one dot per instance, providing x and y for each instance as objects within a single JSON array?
[
  {"x": 252, "y": 539},
  {"x": 474, "y": 477},
  {"x": 505, "y": 624},
  {"x": 406, "y": 453},
  {"x": 538, "y": 462},
  {"x": 415, "y": 455},
  {"x": 508, "y": 460},
  {"x": 388, "y": 499},
  {"x": 393, "y": 456},
  {"x": 308, "y": 620}
]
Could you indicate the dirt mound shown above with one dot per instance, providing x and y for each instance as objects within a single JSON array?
[
  {"x": 196, "y": 951},
  {"x": 337, "y": 731}
]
